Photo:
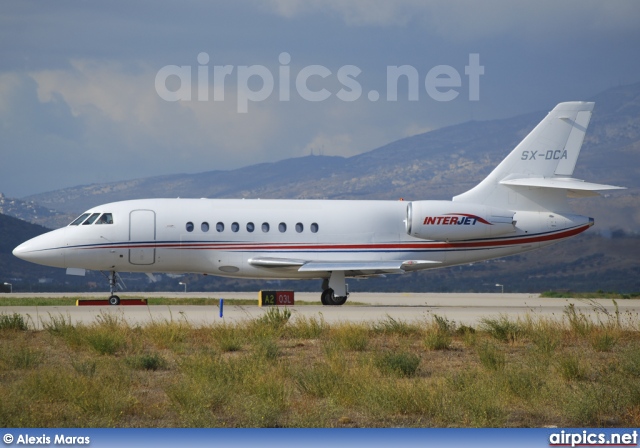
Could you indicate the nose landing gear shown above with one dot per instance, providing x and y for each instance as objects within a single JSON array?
[{"x": 113, "y": 287}]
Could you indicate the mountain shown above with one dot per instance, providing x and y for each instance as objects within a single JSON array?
[
  {"x": 31, "y": 211},
  {"x": 29, "y": 277},
  {"x": 434, "y": 165}
]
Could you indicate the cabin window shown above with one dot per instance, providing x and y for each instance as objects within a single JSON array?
[
  {"x": 314, "y": 227},
  {"x": 299, "y": 227},
  {"x": 250, "y": 227},
  {"x": 91, "y": 219},
  {"x": 204, "y": 226},
  {"x": 282, "y": 227},
  {"x": 106, "y": 218},
  {"x": 235, "y": 227},
  {"x": 220, "y": 227},
  {"x": 265, "y": 227},
  {"x": 79, "y": 219},
  {"x": 189, "y": 226}
]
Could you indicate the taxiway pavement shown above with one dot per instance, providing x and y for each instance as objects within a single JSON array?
[{"x": 468, "y": 309}]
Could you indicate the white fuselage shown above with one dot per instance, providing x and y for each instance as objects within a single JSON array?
[{"x": 213, "y": 236}]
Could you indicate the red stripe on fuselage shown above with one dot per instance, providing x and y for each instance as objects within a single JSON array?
[{"x": 380, "y": 246}]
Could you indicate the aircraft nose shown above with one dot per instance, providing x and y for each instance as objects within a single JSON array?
[
  {"x": 21, "y": 250},
  {"x": 46, "y": 249}
]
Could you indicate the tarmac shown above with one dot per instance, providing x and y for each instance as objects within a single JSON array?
[{"x": 467, "y": 309}]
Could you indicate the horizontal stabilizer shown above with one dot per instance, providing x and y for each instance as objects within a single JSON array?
[
  {"x": 536, "y": 175},
  {"x": 575, "y": 187}
]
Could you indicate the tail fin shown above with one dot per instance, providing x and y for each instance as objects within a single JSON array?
[{"x": 536, "y": 174}]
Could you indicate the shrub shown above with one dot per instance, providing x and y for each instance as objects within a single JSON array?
[
  {"x": 391, "y": 326},
  {"x": 318, "y": 380},
  {"x": 85, "y": 368},
  {"x": 546, "y": 342},
  {"x": 603, "y": 341},
  {"x": 307, "y": 327},
  {"x": 105, "y": 342},
  {"x": 445, "y": 325},
  {"x": 348, "y": 337},
  {"x": 490, "y": 356},
  {"x": 401, "y": 363},
  {"x": 275, "y": 318},
  {"x": 502, "y": 328},
  {"x": 228, "y": 337},
  {"x": 571, "y": 368},
  {"x": 22, "y": 357},
  {"x": 268, "y": 349},
  {"x": 14, "y": 321},
  {"x": 438, "y": 337},
  {"x": 578, "y": 321},
  {"x": 437, "y": 340},
  {"x": 148, "y": 361}
]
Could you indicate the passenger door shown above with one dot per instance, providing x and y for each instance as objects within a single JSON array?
[{"x": 142, "y": 235}]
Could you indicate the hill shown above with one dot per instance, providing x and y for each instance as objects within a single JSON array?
[{"x": 24, "y": 276}]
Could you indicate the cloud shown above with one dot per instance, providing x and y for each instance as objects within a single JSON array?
[
  {"x": 106, "y": 95},
  {"x": 469, "y": 19},
  {"x": 101, "y": 121},
  {"x": 78, "y": 101},
  {"x": 352, "y": 12}
]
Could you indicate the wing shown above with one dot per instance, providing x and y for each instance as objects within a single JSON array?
[{"x": 350, "y": 268}]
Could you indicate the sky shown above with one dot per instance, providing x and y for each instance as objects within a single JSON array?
[{"x": 95, "y": 92}]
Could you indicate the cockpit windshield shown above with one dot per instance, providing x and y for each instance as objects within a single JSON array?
[
  {"x": 79, "y": 219},
  {"x": 91, "y": 219},
  {"x": 106, "y": 218},
  {"x": 87, "y": 219}
]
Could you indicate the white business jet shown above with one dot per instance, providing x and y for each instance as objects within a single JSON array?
[{"x": 522, "y": 205}]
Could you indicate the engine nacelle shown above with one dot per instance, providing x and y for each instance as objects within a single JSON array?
[{"x": 454, "y": 221}]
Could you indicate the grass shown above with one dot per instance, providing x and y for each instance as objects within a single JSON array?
[
  {"x": 502, "y": 328},
  {"x": 439, "y": 333},
  {"x": 13, "y": 322},
  {"x": 590, "y": 295},
  {"x": 403, "y": 364},
  {"x": 276, "y": 371}
]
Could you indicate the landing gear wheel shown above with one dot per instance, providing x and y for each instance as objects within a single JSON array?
[
  {"x": 113, "y": 298},
  {"x": 327, "y": 297},
  {"x": 339, "y": 300}
]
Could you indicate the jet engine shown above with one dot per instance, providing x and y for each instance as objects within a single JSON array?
[{"x": 454, "y": 221}]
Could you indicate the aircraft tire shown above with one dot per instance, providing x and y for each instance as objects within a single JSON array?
[
  {"x": 114, "y": 300},
  {"x": 339, "y": 300},
  {"x": 327, "y": 297}
]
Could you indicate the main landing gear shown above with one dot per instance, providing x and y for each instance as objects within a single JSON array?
[
  {"x": 334, "y": 289},
  {"x": 329, "y": 297}
]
